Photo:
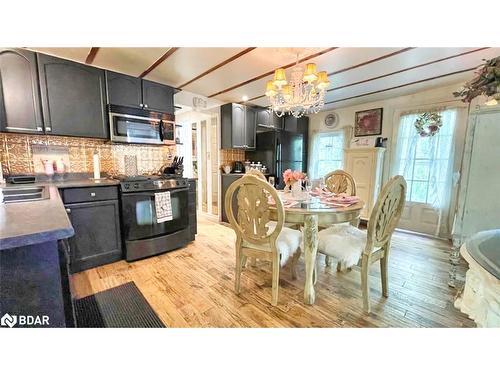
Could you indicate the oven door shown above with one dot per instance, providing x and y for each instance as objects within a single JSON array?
[
  {"x": 168, "y": 132},
  {"x": 134, "y": 129},
  {"x": 139, "y": 214}
]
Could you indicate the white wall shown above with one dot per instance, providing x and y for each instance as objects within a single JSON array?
[{"x": 391, "y": 108}]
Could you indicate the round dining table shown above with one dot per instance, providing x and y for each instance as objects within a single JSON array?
[{"x": 311, "y": 213}]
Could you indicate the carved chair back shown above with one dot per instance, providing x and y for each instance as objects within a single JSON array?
[
  {"x": 252, "y": 195},
  {"x": 386, "y": 213},
  {"x": 340, "y": 181}
]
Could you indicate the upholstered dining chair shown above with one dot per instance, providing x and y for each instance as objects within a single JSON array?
[
  {"x": 256, "y": 235},
  {"x": 337, "y": 182},
  {"x": 340, "y": 181},
  {"x": 351, "y": 245}
]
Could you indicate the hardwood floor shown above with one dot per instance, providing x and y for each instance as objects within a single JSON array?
[{"x": 194, "y": 287}]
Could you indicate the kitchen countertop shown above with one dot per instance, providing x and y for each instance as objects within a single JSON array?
[{"x": 29, "y": 223}]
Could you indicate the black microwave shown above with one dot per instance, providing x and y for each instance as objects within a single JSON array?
[{"x": 132, "y": 125}]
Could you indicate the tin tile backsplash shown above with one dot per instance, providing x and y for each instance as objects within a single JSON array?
[{"x": 22, "y": 153}]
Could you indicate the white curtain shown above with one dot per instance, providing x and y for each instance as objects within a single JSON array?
[
  {"x": 326, "y": 154},
  {"x": 427, "y": 162}
]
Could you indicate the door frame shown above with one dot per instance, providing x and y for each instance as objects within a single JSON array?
[{"x": 207, "y": 117}]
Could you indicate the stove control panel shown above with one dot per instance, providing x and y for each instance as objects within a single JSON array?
[{"x": 153, "y": 184}]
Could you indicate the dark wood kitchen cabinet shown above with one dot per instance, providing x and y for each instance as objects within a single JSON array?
[
  {"x": 124, "y": 90},
  {"x": 238, "y": 126},
  {"x": 157, "y": 97},
  {"x": 97, "y": 238},
  {"x": 267, "y": 118},
  {"x": 20, "y": 109},
  {"x": 139, "y": 93},
  {"x": 73, "y": 98}
]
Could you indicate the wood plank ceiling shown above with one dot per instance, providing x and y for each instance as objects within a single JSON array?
[{"x": 357, "y": 75}]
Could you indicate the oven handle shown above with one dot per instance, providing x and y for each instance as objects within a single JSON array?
[{"x": 150, "y": 193}]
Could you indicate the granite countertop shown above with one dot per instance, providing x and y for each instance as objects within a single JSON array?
[{"x": 28, "y": 223}]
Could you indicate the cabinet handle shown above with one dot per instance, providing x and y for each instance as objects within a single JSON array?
[
  {"x": 48, "y": 129},
  {"x": 145, "y": 105},
  {"x": 142, "y": 105},
  {"x": 68, "y": 210},
  {"x": 92, "y": 194},
  {"x": 39, "y": 128}
]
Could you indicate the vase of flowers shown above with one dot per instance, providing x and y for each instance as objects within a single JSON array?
[{"x": 293, "y": 181}]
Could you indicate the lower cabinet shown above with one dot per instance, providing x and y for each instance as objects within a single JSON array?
[{"x": 97, "y": 238}]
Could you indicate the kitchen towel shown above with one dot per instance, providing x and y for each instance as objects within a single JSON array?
[{"x": 163, "y": 207}]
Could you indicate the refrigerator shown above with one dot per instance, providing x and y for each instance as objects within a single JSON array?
[{"x": 279, "y": 150}]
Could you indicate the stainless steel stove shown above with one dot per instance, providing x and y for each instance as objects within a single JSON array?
[{"x": 144, "y": 234}]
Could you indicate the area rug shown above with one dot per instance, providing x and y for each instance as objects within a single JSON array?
[{"x": 121, "y": 307}]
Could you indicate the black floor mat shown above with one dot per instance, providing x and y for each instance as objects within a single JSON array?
[{"x": 121, "y": 307}]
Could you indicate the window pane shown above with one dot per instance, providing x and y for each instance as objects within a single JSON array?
[
  {"x": 421, "y": 171},
  {"x": 423, "y": 148},
  {"x": 419, "y": 192}
]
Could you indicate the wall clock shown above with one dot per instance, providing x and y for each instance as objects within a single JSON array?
[{"x": 332, "y": 120}]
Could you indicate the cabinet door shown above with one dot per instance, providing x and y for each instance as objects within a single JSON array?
[
  {"x": 263, "y": 117},
  {"x": 249, "y": 128},
  {"x": 157, "y": 97},
  {"x": 73, "y": 98},
  {"x": 97, "y": 238},
  {"x": 290, "y": 124},
  {"x": 20, "y": 109},
  {"x": 238, "y": 126},
  {"x": 276, "y": 122},
  {"x": 124, "y": 90}
]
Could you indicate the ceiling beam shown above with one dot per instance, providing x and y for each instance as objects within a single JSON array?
[
  {"x": 227, "y": 61},
  {"x": 165, "y": 56},
  {"x": 91, "y": 56},
  {"x": 272, "y": 71},
  {"x": 356, "y": 66},
  {"x": 407, "y": 69},
  {"x": 403, "y": 85}
]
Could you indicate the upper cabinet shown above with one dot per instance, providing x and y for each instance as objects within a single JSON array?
[
  {"x": 296, "y": 125},
  {"x": 238, "y": 126},
  {"x": 135, "y": 92},
  {"x": 73, "y": 98},
  {"x": 157, "y": 97},
  {"x": 265, "y": 117},
  {"x": 124, "y": 90},
  {"x": 20, "y": 109}
]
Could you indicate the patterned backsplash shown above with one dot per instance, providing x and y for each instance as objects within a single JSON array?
[
  {"x": 23, "y": 154},
  {"x": 229, "y": 156}
]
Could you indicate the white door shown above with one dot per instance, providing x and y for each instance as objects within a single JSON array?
[{"x": 428, "y": 165}]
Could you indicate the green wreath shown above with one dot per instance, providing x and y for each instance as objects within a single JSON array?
[{"x": 428, "y": 124}]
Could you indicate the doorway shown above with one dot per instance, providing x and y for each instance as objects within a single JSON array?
[
  {"x": 430, "y": 166},
  {"x": 208, "y": 163}
]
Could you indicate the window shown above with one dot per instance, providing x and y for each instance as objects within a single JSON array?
[
  {"x": 425, "y": 162},
  {"x": 327, "y": 153}
]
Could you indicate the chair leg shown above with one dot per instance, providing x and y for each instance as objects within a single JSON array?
[
  {"x": 295, "y": 260},
  {"x": 253, "y": 262},
  {"x": 341, "y": 267},
  {"x": 243, "y": 261},
  {"x": 240, "y": 259},
  {"x": 365, "y": 288},
  {"x": 276, "y": 279},
  {"x": 383, "y": 274},
  {"x": 328, "y": 261}
]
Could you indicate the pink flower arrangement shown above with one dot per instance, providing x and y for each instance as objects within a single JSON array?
[{"x": 290, "y": 176}]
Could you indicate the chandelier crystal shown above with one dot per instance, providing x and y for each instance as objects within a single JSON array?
[{"x": 303, "y": 94}]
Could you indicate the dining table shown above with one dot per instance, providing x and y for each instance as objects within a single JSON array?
[{"x": 312, "y": 213}]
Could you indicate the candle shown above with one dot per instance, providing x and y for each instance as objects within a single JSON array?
[{"x": 97, "y": 166}]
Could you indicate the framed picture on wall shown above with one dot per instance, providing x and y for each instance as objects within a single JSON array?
[{"x": 368, "y": 122}]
